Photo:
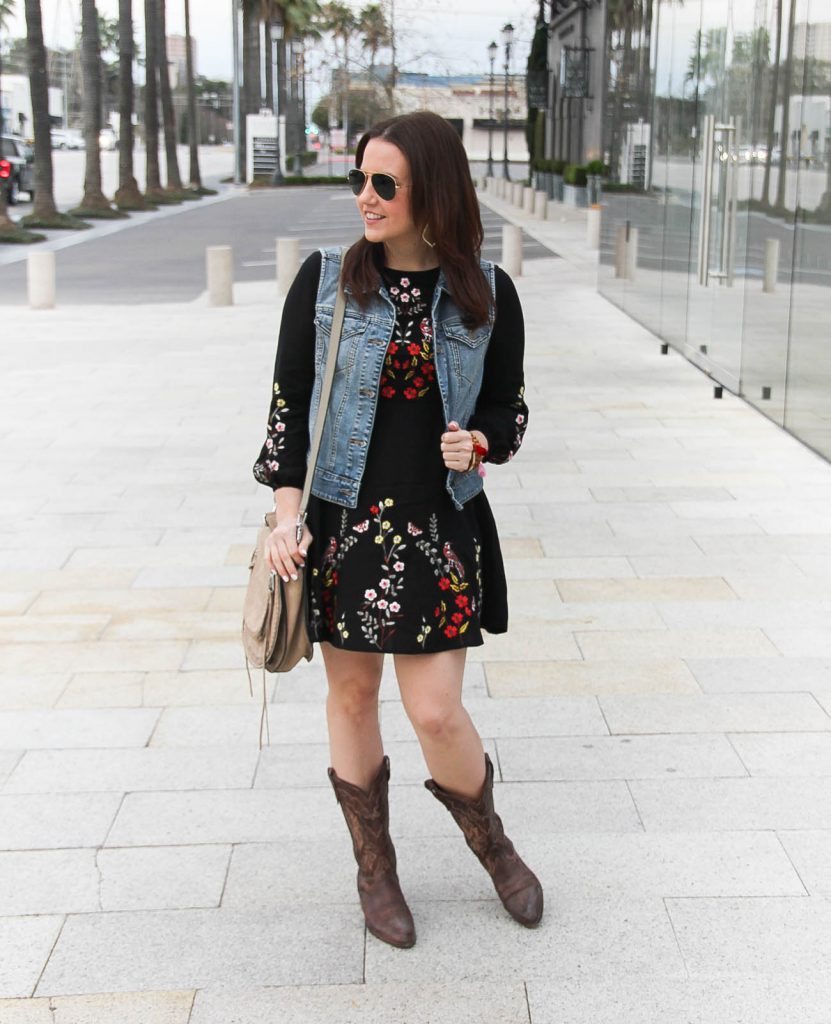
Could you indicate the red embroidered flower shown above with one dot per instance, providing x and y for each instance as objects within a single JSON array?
[
  {"x": 418, "y": 382},
  {"x": 457, "y": 617},
  {"x": 437, "y": 612},
  {"x": 388, "y": 391},
  {"x": 374, "y": 509},
  {"x": 397, "y": 364},
  {"x": 450, "y": 631},
  {"x": 414, "y": 348},
  {"x": 335, "y": 579},
  {"x": 393, "y": 348},
  {"x": 428, "y": 368},
  {"x": 444, "y": 583},
  {"x": 410, "y": 393},
  {"x": 461, "y": 600}
]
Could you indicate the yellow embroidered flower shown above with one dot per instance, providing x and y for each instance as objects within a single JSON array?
[{"x": 389, "y": 502}]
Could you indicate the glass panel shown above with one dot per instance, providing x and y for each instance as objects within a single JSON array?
[
  {"x": 678, "y": 26},
  {"x": 808, "y": 395},
  {"x": 715, "y": 306}
]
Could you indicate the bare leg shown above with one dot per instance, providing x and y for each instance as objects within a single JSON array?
[
  {"x": 431, "y": 689},
  {"x": 355, "y": 747}
]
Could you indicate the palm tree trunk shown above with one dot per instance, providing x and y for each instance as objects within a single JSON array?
[
  {"x": 94, "y": 199},
  {"x": 772, "y": 107},
  {"x": 153, "y": 185},
  {"x": 174, "y": 178},
  {"x": 251, "y": 86},
  {"x": 128, "y": 196},
  {"x": 786, "y": 102},
  {"x": 43, "y": 207},
  {"x": 194, "y": 176}
]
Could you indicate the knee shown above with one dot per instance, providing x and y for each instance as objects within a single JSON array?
[
  {"x": 436, "y": 721},
  {"x": 354, "y": 696}
]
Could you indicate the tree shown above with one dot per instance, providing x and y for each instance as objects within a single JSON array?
[
  {"x": 128, "y": 196},
  {"x": 174, "y": 178},
  {"x": 94, "y": 202},
  {"x": 786, "y": 102},
  {"x": 44, "y": 212},
  {"x": 153, "y": 184},
  {"x": 338, "y": 19},
  {"x": 777, "y": 53}
]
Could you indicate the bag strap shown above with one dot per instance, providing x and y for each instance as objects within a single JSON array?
[{"x": 325, "y": 392}]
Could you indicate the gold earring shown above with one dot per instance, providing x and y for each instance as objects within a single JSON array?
[{"x": 426, "y": 240}]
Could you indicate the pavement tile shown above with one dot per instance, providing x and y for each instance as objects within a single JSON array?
[
  {"x": 697, "y": 589},
  {"x": 587, "y": 678},
  {"x": 642, "y": 644},
  {"x": 648, "y": 998},
  {"x": 810, "y": 853},
  {"x": 409, "y": 1002},
  {"x": 770, "y": 936},
  {"x": 106, "y": 1008},
  {"x": 102, "y": 690},
  {"x": 123, "y": 770},
  {"x": 738, "y": 712},
  {"x": 478, "y": 940},
  {"x": 618, "y": 757},
  {"x": 205, "y": 949},
  {"x": 74, "y": 727},
  {"x": 301, "y": 722},
  {"x": 99, "y": 601},
  {"x": 22, "y": 691},
  {"x": 713, "y": 805},
  {"x": 784, "y": 754},
  {"x": 31, "y": 821},
  {"x": 26, "y": 943},
  {"x": 735, "y": 675}
]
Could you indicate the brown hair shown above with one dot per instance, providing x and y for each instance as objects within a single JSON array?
[{"x": 442, "y": 200}]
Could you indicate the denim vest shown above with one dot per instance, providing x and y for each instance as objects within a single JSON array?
[{"x": 459, "y": 357}]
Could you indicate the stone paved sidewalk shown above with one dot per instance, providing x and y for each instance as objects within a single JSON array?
[{"x": 659, "y": 711}]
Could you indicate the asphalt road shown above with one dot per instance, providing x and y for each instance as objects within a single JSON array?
[{"x": 162, "y": 259}]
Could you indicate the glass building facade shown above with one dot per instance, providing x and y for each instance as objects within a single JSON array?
[{"x": 716, "y": 223}]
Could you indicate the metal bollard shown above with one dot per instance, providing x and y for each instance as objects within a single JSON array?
[
  {"x": 593, "y": 226},
  {"x": 40, "y": 280},
  {"x": 512, "y": 249},
  {"x": 528, "y": 199},
  {"x": 541, "y": 204},
  {"x": 220, "y": 265},
  {"x": 288, "y": 262},
  {"x": 771, "y": 264}
]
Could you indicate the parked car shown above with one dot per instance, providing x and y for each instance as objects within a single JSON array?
[
  {"x": 67, "y": 138},
  {"x": 17, "y": 173}
]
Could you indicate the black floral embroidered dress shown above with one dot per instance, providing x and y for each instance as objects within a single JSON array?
[{"x": 405, "y": 571}]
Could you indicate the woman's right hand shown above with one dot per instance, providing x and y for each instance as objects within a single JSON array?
[{"x": 283, "y": 553}]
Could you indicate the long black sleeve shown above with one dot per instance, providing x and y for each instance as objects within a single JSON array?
[
  {"x": 282, "y": 459},
  {"x": 501, "y": 413}
]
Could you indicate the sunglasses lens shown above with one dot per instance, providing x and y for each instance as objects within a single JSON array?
[
  {"x": 384, "y": 186},
  {"x": 357, "y": 180}
]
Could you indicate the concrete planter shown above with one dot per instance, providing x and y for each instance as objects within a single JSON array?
[
  {"x": 555, "y": 187},
  {"x": 575, "y": 195}
]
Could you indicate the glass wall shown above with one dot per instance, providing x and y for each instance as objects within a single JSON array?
[{"x": 716, "y": 220}]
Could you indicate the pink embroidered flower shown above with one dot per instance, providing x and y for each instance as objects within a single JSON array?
[
  {"x": 280, "y": 428},
  {"x": 395, "y": 607},
  {"x": 405, "y": 282},
  {"x": 382, "y": 604},
  {"x": 384, "y": 584},
  {"x": 370, "y": 595},
  {"x": 399, "y": 567}
]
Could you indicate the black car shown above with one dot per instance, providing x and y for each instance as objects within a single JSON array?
[{"x": 17, "y": 173}]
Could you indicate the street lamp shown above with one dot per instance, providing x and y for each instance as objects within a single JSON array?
[
  {"x": 276, "y": 42},
  {"x": 507, "y": 39},
  {"x": 492, "y": 57}
]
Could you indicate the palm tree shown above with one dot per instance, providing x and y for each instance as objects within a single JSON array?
[
  {"x": 128, "y": 196},
  {"x": 44, "y": 212},
  {"x": 375, "y": 31},
  {"x": 194, "y": 177},
  {"x": 338, "y": 19},
  {"x": 153, "y": 183},
  {"x": 772, "y": 106},
  {"x": 174, "y": 178},
  {"x": 94, "y": 202}
]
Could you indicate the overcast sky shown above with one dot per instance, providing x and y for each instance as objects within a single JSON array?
[{"x": 430, "y": 37}]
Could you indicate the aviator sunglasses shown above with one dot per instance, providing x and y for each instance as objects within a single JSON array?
[{"x": 384, "y": 184}]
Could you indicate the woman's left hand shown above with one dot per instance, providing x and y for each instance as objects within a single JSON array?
[{"x": 456, "y": 447}]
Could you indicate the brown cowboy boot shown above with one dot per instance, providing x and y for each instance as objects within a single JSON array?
[
  {"x": 515, "y": 883},
  {"x": 367, "y": 816}
]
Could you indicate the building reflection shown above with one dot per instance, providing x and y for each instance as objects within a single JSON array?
[{"x": 716, "y": 209}]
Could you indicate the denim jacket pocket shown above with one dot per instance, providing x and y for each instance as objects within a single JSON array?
[{"x": 353, "y": 328}]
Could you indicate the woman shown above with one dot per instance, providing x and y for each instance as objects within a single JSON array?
[{"x": 403, "y": 552}]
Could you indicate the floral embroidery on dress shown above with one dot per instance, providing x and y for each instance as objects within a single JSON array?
[
  {"x": 275, "y": 441},
  {"x": 409, "y": 368},
  {"x": 521, "y": 421},
  {"x": 381, "y": 608},
  {"x": 329, "y": 571},
  {"x": 454, "y": 606}
]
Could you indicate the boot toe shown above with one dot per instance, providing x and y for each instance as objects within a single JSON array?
[
  {"x": 396, "y": 930},
  {"x": 526, "y": 906}
]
